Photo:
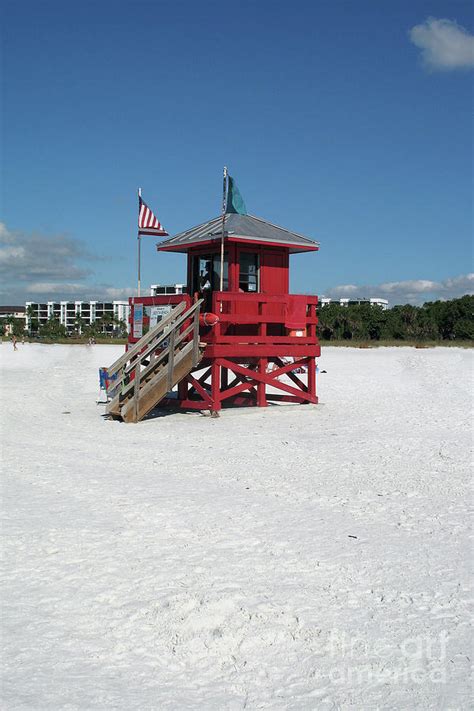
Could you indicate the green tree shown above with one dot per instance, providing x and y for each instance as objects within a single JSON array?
[
  {"x": 53, "y": 329},
  {"x": 121, "y": 330},
  {"x": 331, "y": 323},
  {"x": 449, "y": 314},
  {"x": 110, "y": 325},
  {"x": 464, "y": 329},
  {"x": 103, "y": 323},
  {"x": 352, "y": 323},
  {"x": 376, "y": 319},
  {"x": 14, "y": 326},
  {"x": 433, "y": 321},
  {"x": 33, "y": 321},
  {"x": 80, "y": 324},
  {"x": 92, "y": 330},
  {"x": 19, "y": 327}
]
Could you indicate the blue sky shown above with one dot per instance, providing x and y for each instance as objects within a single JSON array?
[{"x": 335, "y": 121}]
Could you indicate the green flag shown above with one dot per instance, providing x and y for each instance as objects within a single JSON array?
[{"x": 235, "y": 202}]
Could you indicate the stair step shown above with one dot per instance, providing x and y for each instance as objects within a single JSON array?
[{"x": 157, "y": 388}]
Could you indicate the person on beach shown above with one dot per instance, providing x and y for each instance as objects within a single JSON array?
[{"x": 14, "y": 343}]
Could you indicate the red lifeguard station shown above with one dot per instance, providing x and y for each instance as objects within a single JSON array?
[{"x": 250, "y": 343}]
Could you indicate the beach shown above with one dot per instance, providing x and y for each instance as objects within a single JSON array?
[{"x": 289, "y": 557}]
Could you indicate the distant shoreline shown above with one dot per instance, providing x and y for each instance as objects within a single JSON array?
[
  {"x": 324, "y": 344},
  {"x": 397, "y": 344}
]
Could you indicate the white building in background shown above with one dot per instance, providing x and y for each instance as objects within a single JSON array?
[
  {"x": 72, "y": 313},
  {"x": 158, "y": 289},
  {"x": 383, "y": 303}
]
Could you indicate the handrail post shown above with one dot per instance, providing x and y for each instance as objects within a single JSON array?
[
  {"x": 196, "y": 337},
  {"x": 136, "y": 391},
  {"x": 217, "y": 328},
  {"x": 171, "y": 359}
]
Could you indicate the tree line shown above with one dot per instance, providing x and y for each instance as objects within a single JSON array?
[{"x": 434, "y": 321}]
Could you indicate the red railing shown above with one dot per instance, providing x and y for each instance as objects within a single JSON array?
[
  {"x": 251, "y": 323},
  {"x": 255, "y": 321}
]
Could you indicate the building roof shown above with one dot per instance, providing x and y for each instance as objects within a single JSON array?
[
  {"x": 236, "y": 226},
  {"x": 11, "y": 309}
]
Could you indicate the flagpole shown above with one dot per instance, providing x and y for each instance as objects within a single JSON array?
[
  {"x": 138, "y": 238},
  {"x": 223, "y": 225}
]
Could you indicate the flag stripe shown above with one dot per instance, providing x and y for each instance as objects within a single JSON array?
[{"x": 148, "y": 221}]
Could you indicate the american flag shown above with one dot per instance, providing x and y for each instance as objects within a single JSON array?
[{"x": 148, "y": 224}]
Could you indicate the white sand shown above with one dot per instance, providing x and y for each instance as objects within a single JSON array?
[{"x": 192, "y": 563}]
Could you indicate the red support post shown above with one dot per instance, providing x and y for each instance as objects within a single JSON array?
[
  {"x": 312, "y": 378},
  {"x": 261, "y": 395},
  {"x": 215, "y": 387}
]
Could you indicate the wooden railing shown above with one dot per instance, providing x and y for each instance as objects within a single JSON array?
[{"x": 154, "y": 361}]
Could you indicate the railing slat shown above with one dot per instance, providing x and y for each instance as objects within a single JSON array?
[
  {"x": 196, "y": 338},
  {"x": 171, "y": 359},
  {"x": 136, "y": 392}
]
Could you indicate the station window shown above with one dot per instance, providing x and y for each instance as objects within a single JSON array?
[
  {"x": 248, "y": 271},
  {"x": 207, "y": 268}
]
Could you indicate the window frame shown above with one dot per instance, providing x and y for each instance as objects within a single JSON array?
[{"x": 257, "y": 255}]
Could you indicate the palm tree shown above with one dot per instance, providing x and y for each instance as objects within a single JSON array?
[
  {"x": 79, "y": 324},
  {"x": 9, "y": 323},
  {"x": 33, "y": 323}
]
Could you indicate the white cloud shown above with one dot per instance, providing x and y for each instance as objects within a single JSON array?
[
  {"x": 119, "y": 293},
  {"x": 24, "y": 257},
  {"x": 413, "y": 286},
  {"x": 5, "y": 234},
  {"x": 412, "y": 291},
  {"x": 62, "y": 290},
  {"x": 343, "y": 290},
  {"x": 48, "y": 287},
  {"x": 11, "y": 255},
  {"x": 444, "y": 44},
  {"x": 34, "y": 267}
]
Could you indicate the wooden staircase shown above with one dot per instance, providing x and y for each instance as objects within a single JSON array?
[{"x": 143, "y": 376}]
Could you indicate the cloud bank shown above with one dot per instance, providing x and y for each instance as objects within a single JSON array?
[
  {"x": 35, "y": 267},
  {"x": 408, "y": 292},
  {"x": 444, "y": 44}
]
